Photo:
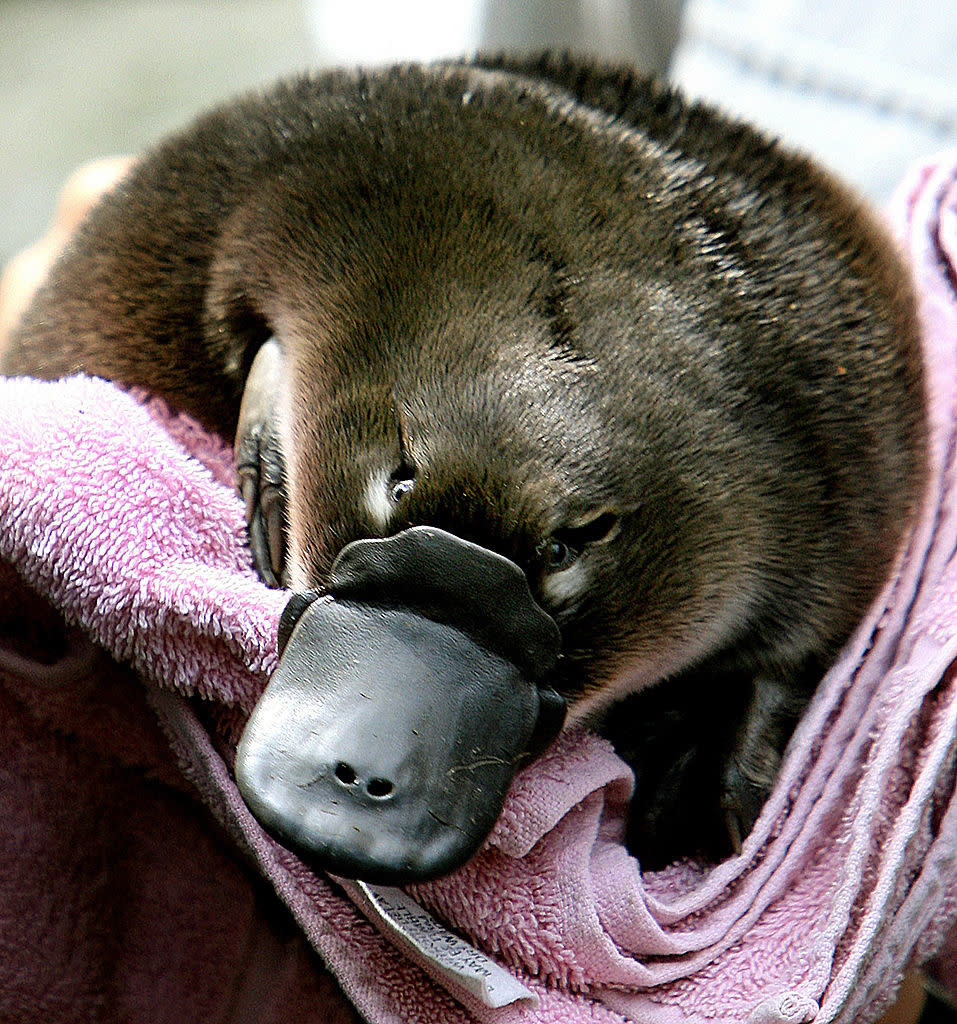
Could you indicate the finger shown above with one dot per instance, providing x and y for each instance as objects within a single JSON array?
[
  {"x": 84, "y": 187},
  {"x": 24, "y": 274},
  {"x": 21, "y": 277}
]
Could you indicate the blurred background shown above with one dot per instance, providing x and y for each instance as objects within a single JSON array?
[{"x": 869, "y": 86}]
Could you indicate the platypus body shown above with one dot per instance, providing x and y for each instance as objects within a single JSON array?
[{"x": 550, "y": 390}]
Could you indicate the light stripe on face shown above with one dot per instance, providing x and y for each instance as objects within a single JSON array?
[
  {"x": 378, "y": 502},
  {"x": 566, "y": 585}
]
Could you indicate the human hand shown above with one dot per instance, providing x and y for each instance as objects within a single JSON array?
[{"x": 24, "y": 274}]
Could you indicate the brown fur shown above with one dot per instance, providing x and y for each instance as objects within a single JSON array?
[{"x": 546, "y": 291}]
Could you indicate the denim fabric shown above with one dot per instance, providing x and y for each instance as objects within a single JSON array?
[{"x": 868, "y": 88}]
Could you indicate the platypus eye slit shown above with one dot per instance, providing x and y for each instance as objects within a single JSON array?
[
  {"x": 565, "y": 546},
  {"x": 602, "y": 527}
]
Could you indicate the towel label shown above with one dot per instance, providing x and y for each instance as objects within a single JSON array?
[{"x": 452, "y": 960}]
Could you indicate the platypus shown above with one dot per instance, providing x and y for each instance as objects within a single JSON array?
[{"x": 558, "y": 400}]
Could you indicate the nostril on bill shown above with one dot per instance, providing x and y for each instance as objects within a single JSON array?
[{"x": 379, "y": 789}]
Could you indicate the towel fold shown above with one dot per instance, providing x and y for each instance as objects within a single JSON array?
[{"x": 122, "y": 516}]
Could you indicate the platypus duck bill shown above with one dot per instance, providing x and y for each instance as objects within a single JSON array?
[{"x": 405, "y": 700}]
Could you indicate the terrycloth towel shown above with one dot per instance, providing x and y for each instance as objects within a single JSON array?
[{"x": 123, "y": 516}]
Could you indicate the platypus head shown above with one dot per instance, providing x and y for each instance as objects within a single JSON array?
[{"x": 486, "y": 499}]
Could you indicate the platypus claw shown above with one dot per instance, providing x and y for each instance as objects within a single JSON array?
[{"x": 260, "y": 467}]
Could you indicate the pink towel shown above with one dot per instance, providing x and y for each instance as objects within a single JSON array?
[{"x": 123, "y": 516}]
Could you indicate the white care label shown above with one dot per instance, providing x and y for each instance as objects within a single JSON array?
[{"x": 452, "y": 960}]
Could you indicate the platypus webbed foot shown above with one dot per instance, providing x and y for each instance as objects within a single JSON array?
[{"x": 259, "y": 464}]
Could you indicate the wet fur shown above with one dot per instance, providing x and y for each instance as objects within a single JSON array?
[{"x": 545, "y": 289}]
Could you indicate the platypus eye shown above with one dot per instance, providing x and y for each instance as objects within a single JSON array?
[
  {"x": 564, "y": 546},
  {"x": 401, "y": 482},
  {"x": 400, "y": 489},
  {"x": 558, "y": 554}
]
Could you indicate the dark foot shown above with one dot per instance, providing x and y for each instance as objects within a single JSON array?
[
  {"x": 742, "y": 798},
  {"x": 706, "y": 749},
  {"x": 752, "y": 765},
  {"x": 260, "y": 467},
  {"x": 676, "y": 737}
]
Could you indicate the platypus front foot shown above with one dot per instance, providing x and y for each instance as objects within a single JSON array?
[
  {"x": 259, "y": 464},
  {"x": 752, "y": 765}
]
